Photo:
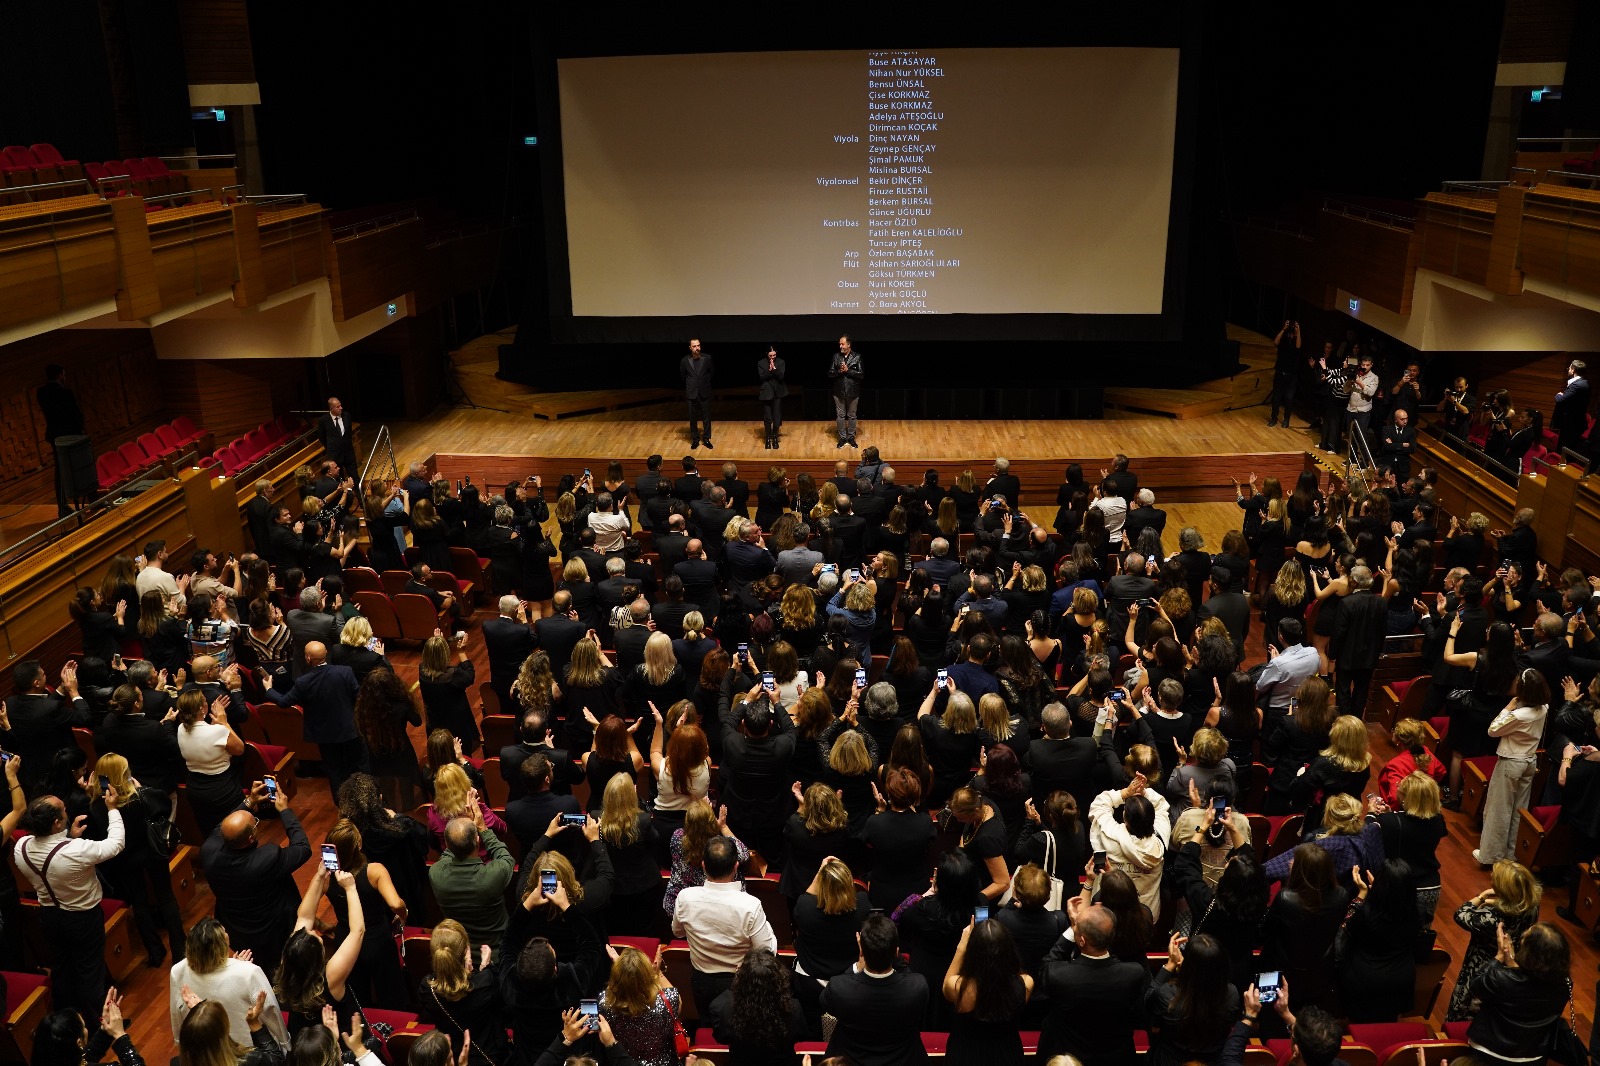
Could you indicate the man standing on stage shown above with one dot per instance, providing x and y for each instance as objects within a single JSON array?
[
  {"x": 338, "y": 438},
  {"x": 62, "y": 418},
  {"x": 846, "y": 373},
  {"x": 769, "y": 371},
  {"x": 696, "y": 370}
]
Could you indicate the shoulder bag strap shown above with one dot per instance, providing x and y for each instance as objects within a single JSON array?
[{"x": 1049, "y": 853}]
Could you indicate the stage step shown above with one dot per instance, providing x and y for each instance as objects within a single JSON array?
[{"x": 1176, "y": 403}]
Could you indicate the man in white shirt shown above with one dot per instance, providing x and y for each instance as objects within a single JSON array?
[
  {"x": 153, "y": 576},
  {"x": 60, "y": 865},
  {"x": 609, "y": 524},
  {"x": 1362, "y": 390},
  {"x": 721, "y": 923},
  {"x": 1114, "y": 508},
  {"x": 1285, "y": 670}
]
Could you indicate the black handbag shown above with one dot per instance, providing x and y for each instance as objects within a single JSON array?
[{"x": 1564, "y": 1044}]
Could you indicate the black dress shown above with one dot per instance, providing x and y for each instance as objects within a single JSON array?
[
  {"x": 599, "y": 772},
  {"x": 987, "y": 841},
  {"x": 898, "y": 852},
  {"x": 375, "y": 979},
  {"x": 601, "y": 700},
  {"x": 1377, "y": 964},
  {"x": 433, "y": 543},
  {"x": 445, "y": 700},
  {"x": 1298, "y": 941},
  {"x": 952, "y": 754},
  {"x": 995, "y": 1042},
  {"x": 635, "y": 907},
  {"x": 804, "y": 852}
]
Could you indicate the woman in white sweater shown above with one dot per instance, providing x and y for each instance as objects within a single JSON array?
[
  {"x": 1132, "y": 826},
  {"x": 211, "y": 972},
  {"x": 1519, "y": 728}
]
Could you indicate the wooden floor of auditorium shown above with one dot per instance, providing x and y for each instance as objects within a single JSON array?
[{"x": 636, "y": 433}]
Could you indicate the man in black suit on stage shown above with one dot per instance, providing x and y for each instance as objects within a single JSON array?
[
  {"x": 696, "y": 368},
  {"x": 1572, "y": 405},
  {"x": 62, "y": 418},
  {"x": 879, "y": 1004},
  {"x": 338, "y": 438},
  {"x": 769, "y": 372},
  {"x": 509, "y": 641},
  {"x": 846, "y": 373}
]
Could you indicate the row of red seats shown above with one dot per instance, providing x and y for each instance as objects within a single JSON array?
[
  {"x": 137, "y": 456},
  {"x": 267, "y": 437},
  {"x": 36, "y": 165}
]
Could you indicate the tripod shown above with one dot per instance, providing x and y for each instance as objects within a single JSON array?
[{"x": 456, "y": 395}]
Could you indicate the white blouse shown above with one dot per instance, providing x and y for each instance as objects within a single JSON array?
[
  {"x": 204, "y": 747},
  {"x": 668, "y": 798}
]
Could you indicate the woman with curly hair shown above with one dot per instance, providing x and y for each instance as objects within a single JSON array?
[
  {"x": 818, "y": 829},
  {"x": 700, "y": 824},
  {"x": 535, "y": 688},
  {"x": 799, "y": 621},
  {"x": 398, "y": 841},
  {"x": 758, "y": 1017},
  {"x": 384, "y": 708}
]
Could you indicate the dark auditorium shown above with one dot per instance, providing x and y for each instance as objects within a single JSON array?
[{"x": 1161, "y": 626}]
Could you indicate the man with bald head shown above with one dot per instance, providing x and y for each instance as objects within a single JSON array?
[
  {"x": 559, "y": 632},
  {"x": 327, "y": 695},
  {"x": 1093, "y": 1000},
  {"x": 216, "y": 681},
  {"x": 469, "y": 888},
  {"x": 699, "y": 576},
  {"x": 254, "y": 882}
]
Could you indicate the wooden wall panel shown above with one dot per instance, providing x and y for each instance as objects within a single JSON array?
[
  {"x": 114, "y": 375},
  {"x": 367, "y": 269},
  {"x": 1455, "y": 234},
  {"x": 1536, "y": 31},
  {"x": 216, "y": 42},
  {"x": 55, "y": 256},
  {"x": 193, "y": 252},
  {"x": 1368, "y": 259},
  {"x": 231, "y": 397},
  {"x": 1561, "y": 237},
  {"x": 293, "y": 246}
]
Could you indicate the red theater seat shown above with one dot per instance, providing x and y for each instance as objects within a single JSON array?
[{"x": 47, "y": 153}]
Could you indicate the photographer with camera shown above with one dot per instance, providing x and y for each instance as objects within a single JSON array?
[{"x": 1457, "y": 405}]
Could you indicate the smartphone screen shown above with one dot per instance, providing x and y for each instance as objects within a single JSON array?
[
  {"x": 271, "y": 787},
  {"x": 944, "y": 678},
  {"x": 330, "y": 858},
  {"x": 105, "y": 782},
  {"x": 1268, "y": 984},
  {"x": 1219, "y": 804},
  {"x": 861, "y": 678},
  {"x": 744, "y": 651},
  {"x": 1118, "y": 695},
  {"x": 590, "y": 1009},
  {"x": 573, "y": 820},
  {"x": 981, "y": 912},
  {"x": 547, "y": 882},
  {"x": 1099, "y": 862},
  {"x": 769, "y": 681}
]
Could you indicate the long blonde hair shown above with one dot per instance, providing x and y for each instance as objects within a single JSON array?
[
  {"x": 659, "y": 660},
  {"x": 114, "y": 768},
  {"x": 205, "y": 1037},
  {"x": 452, "y": 791},
  {"x": 619, "y": 817},
  {"x": 1347, "y": 744},
  {"x": 535, "y": 682},
  {"x": 836, "y": 888},
  {"x": 699, "y": 826},
  {"x": 631, "y": 988},
  {"x": 823, "y": 811},
  {"x": 448, "y": 947},
  {"x": 1290, "y": 585},
  {"x": 849, "y": 755},
  {"x": 557, "y": 863},
  {"x": 585, "y": 669},
  {"x": 799, "y": 609},
  {"x": 995, "y": 715}
]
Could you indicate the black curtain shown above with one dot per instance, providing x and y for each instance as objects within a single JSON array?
[
  {"x": 54, "y": 83},
  {"x": 156, "y": 76}
]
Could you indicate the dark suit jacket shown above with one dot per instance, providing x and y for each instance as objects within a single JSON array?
[
  {"x": 738, "y": 496},
  {"x": 645, "y": 575},
  {"x": 509, "y": 643},
  {"x": 341, "y": 447},
  {"x": 1420, "y": 531},
  {"x": 306, "y": 626},
  {"x": 644, "y": 487},
  {"x": 361, "y": 659},
  {"x": 328, "y": 697},
  {"x": 1095, "y": 1005},
  {"x": 1571, "y": 406},
  {"x": 41, "y": 725},
  {"x": 879, "y": 1019},
  {"x": 670, "y": 549},
  {"x": 1139, "y": 518},
  {"x": 1065, "y": 764},
  {"x": 62, "y": 416},
  {"x": 772, "y": 386},
  {"x": 941, "y": 570},
  {"x": 256, "y": 897},
  {"x": 871, "y": 509},
  {"x": 1234, "y": 610},
  {"x": 700, "y": 585},
  {"x": 1126, "y": 482},
  {"x": 1358, "y": 632},
  {"x": 529, "y": 817},
  {"x": 1521, "y": 544},
  {"x": 687, "y": 487},
  {"x": 850, "y": 534},
  {"x": 558, "y": 635},
  {"x": 709, "y": 520},
  {"x": 284, "y": 546},
  {"x": 564, "y": 771},
  {"x": 150, "y": 747},
  {"x": 1007, "y": 485},
  {"x": 629, "y": 645},
  {"x": 258, "y": 513}
]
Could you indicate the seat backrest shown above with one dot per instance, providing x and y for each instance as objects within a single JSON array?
[
  {"x": 184, "y": 425},
  {"x": 379, "y": 613},
  {"x": 134, "y": 454},
  {"x": 152, "y": 444},
  {"x": 46, "y": 153},
  {"x": 395, "y": 581},
  {"x": 499, "y": 730},
  {"x": 362, "y": 579},
  {"x": 417, "y": 617},
  {"x": 136, "y": 168},
  {"x": 156, "y": 165}
]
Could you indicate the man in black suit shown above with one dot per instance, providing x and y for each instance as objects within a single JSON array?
[
  {"x": 758, "y": 747},
  {"x": 593, "y": 561},
  {"x": 846, "y": 372},
  {"x": 307, "y": 624},
  {"x": 1572, "y": 406},
  {"x": 256, "y": 896},
  {"x": 638, "y": 568},
  {"x": 284, "y": 548},
  {"x": 710, "y": 516},
  {"x": 62, "y": 418},
  {"x": 216, "y": 682},
  {"x": 326, "y": 483},
  {"x": 629, "y": 640},
  {"x": 327, "y": 695},
  {"x": 672, "y": 545},
  {"x": 878, "y": 1003},
  {"x": 1143, "y": 514},
  {"x": 842, "y": 479},
  {"x": 533, "y": 734},
  {"x": 1357, "y": 641},
  {"x": 529, "y": 815},
  {"x": 658, "y": 507},
  {"x": 38, "y": 723},
  {"x": 1422, "y": 526},
  {"x": 617, "y": 590},
  {"x": 1124, "y": 481},
  {"x": 868, "y": 505},
  {"x": 687, "y": 487},
  {"x": 646, "y": 486},
  {"x": 898, "y": 495},
  {"x": 1125, "y": 589},
  {"x": 156, "y": 700},
  {"x": 1028, "y": 545},
  {"x": 1061, "y": 760},
  {"x": 509, "y": 642},
  {"x": 1522, "y": 543},
  {"x": 560, "y": 632},
  {"x": 416, "y": 484},
  {"x": 668, "y": 615},
  {"x": 149, "y": 744},
  {"x": 1095, "y": 1000},
  {"x": 1229, "y": 604},
  {"x": 258, "y": 515},
  {"x": 1563, "y": 648},
  {"x": 1005, "y": 483},
  {"x": 338, "y": 437},
  {"x": 696, "y": 369},
  {"x": 1397, "y": 441},
  {"x": 849, "y": 534},
  {"x": 699, "y": 576}
]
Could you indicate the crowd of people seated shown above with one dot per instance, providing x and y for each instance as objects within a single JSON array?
[{"x": 1000, "y": 784}]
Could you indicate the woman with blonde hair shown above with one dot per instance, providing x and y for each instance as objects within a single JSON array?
[
  {"x": 209, "y": 747},
  {"x": 946, "y": 521},
  {"x": 849, "y": 772},
  {"x": 444, "y": 685},
  {"x": 1412, "y": 830},
  {"x": 799, "y": 623},
  {"x": 818, "y": 828},
  {"x": 641, "y": 1006},
  {"x": 658, "y": 680},
  {"x": 1510, "y": 904},
  {"x": 965, "y": 493},
  {"x": 139, "y": 873},
  {"x": 535, "y": 688},
  {"x": 1411, "y": 756},
  {"x": 591, "y": 690},
  {"x": 205, "y": 1037},
  {"x": 1348, "y": 837},
  {"x": 952, "y": 741},
  {"x": 1344, "y": 766},
  {"x": 696, "y": 643},
  {"x": 827, "y": 917},
  {"x": 462, "y": 994},
  {"x": 827, "y": 500},
  {"x": 700, "y": 824},
  {"x": 629, "y": 836},
  {"x": 430, "y": 534},
  {"x": 209, "y": 971},
  {"x": 1286, "y": 597},
  {"x": 454, "y": 797},
  {"x": 374, "y": 978}
]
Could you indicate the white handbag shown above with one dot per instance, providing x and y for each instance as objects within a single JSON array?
[{"x": 1057, "y": 888}]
